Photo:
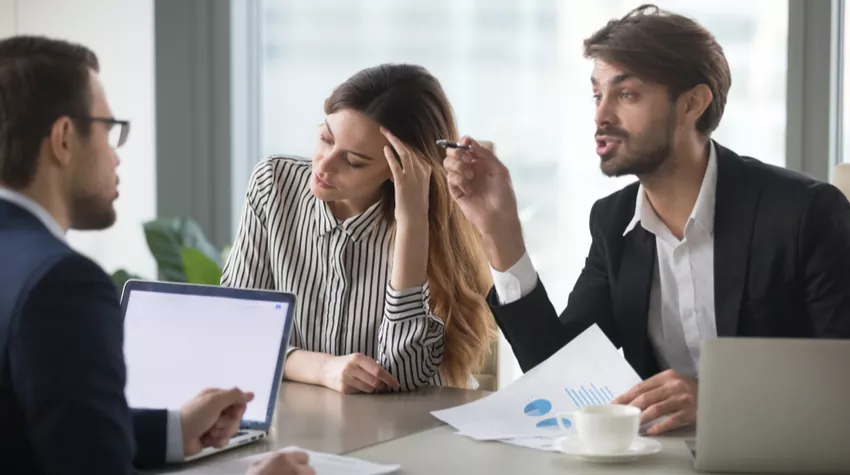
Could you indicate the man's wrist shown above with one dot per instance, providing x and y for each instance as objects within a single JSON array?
[{"x": 504, "y": 249}]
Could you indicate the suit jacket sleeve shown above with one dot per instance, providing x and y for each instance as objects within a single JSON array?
[
  {"x": 150, "y": 434},
  {"x": 531, "y": 324},
  {"x": 67, "y": 368},
  {"x": 825, "y": 251}
]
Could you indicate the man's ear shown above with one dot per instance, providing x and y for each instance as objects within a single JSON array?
[
  {"x": 62, "y": 134},
  {"x": 697, "y": 101}
]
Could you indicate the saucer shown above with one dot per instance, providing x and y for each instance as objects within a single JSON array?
[{"x": 641, "y": 447}]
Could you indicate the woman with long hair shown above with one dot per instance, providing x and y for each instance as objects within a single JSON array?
[{"x": 389, "y": 276}]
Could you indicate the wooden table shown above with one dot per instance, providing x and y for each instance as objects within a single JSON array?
[
  {"x": 460, "y": 455},
  {"x": 322, "y": 420},
  {"x": 399, "y": 429}
]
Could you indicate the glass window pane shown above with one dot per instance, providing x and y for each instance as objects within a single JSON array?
[
  {"x": 845, "y": 87},
  {"x": 514, "y": 73}
]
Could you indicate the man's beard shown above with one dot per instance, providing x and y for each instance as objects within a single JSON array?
[
  {"x": 91, "y": 213},
  {"x": 647, "y": 157}
]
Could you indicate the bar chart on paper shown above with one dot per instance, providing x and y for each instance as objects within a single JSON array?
[
  {"x": 530, "y": 406},
  {"x": 590, "y": 395},
  {"x": 583, "y": 395}
]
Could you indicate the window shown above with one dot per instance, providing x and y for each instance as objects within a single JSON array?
[
  {"x": 845, "y": 84},
  {"x": 514, "y": 73}
]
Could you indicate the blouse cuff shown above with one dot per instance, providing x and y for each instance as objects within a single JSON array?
[{"x": 410, "y": 303}]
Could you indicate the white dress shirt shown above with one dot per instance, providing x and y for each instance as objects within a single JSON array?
[
  {"x": 174, "y": 447},
  {"x": 681, "y": 306}
]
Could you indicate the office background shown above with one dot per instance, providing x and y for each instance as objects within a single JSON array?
[{"x": 212, "y": 86}]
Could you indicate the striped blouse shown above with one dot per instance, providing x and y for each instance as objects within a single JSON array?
[{"x": 288, "y": 240}]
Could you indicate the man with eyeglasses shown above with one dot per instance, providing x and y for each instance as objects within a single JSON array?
[{"x": 62, "y": 372}]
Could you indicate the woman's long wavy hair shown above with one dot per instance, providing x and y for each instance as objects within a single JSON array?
[{"x": 410, "y": 103}]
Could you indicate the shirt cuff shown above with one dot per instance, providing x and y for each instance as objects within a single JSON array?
[
  {"x": 516, "y": 282},
  {"x": 174, "y": 447},
  {"x": 410, "y": 303}
]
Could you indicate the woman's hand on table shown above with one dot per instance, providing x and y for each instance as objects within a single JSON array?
[{"x": 356, "y": 373}]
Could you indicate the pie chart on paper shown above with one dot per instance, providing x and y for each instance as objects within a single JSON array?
[
  {"x": 552, "y": 423},
  {"x": 538, "y": 407}
]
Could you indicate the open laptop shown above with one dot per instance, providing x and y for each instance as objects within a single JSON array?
[
  {"x": 180, "y": 339},
  {"x": 773, "y": 406}
]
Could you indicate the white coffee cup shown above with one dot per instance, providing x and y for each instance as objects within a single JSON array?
[{"x": 604, "y": 429}]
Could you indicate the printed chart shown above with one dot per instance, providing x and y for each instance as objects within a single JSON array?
[
  {"x": 542, "y": 407},
  {"x": 590, "y": 395},
  {"x": 587, "y": 371}
]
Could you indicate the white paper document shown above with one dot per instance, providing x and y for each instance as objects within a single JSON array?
[
  {"x": 587, "y": 371},
  {"x": 322, "y": 463},
  {"x": 546, "y": 444}
]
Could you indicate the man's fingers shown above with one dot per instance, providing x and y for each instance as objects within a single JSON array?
[
  {"x": 219, "y": 443},
  {"x": 456, "y": 166},
  {"x": 661, "y": 408},
  {"x": 210, "y": 391},
  {"x": 216, "y": 434},
  {"x": 230, "y": 397},
  {"x": 452, "y": 164},
  {"x": 640, "y": 388},
  {"x": 373, "y": 368},
  {"x": 240, "y": 411},
  {"x": 298, "y": 457},
  {"x": 455, "y": 190},
  {"x": 229, "y": 420},
  {"x": 209, "y": 440},
  {"x": 230, "y": 414},
  {"x": 675, "y": 421},
  {"x": 651, "y": 397},
  {"x": 461, "y": 185},
  {"x": 485, "y": 155},
  {"x": 304, "y": 470},
  {"x": 627, "y": 397}
]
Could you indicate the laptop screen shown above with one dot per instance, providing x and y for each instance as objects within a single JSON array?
[{"x": 177, "y": 345}]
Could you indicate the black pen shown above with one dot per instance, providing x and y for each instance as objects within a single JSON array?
[{"x": 450, "y": 144}]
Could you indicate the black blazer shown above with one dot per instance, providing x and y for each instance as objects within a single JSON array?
[
  {"x": 62, "y": 374},
  {"x": 781, "y": 268}
]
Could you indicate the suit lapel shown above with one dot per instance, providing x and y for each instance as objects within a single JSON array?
[
  {"x": 636, "y": 267},
  {"x": 734, "y": 215}
]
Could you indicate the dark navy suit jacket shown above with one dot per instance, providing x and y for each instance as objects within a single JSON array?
[{"x": 62, "y": 373}]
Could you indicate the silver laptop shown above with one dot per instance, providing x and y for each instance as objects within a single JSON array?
[
  {"x": 181, "y": 339},
  {"x": 773, "y": 406}
]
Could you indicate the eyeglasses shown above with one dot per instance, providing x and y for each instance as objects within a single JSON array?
[{"x": 117, "y": 135}]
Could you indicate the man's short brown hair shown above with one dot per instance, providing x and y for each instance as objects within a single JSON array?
[
  {"x": 41, "y": 80},
  {"x": 668, "y": 49}
]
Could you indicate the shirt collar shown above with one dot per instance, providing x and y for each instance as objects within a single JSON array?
[
  {"x": 356, "y": 227},
  {"x": 703, "y": 212},
  {"x": 35, "y": 209}
]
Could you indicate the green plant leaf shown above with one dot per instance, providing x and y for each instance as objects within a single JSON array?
[
  {"x": 120, "y": 277},
  {"x": 199, "y": 268},
  {"x": 192, "y": 236},
  {"x": 166, "y": 239},
  {"x": 165, "y": 244},
  {"x": 225, "y": 253}
]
